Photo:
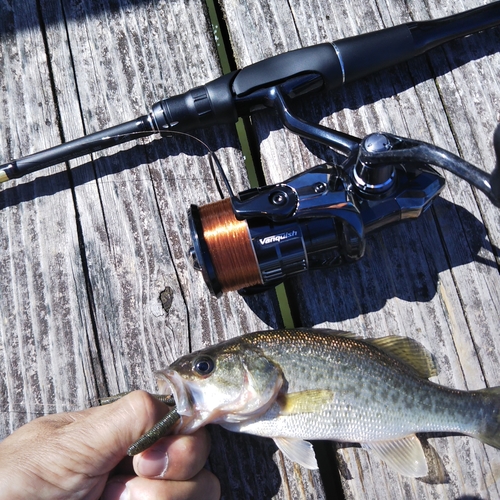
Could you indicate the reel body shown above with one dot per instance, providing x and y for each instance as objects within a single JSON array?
[{"x": 314, "y": 220}]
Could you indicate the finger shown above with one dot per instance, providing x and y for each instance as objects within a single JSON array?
[
  {"x": 75, "y": 451},
  {"x": 174, "y": 457},
  {"x": 204, "y": 485},
  {"x": 102, "y": 435}
]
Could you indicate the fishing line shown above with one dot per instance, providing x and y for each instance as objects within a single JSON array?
[
  {"x": 212, "y": 157},
  {"x": 229, "y": 244},
  {"x": 39, "y": 409},
  {"x": 237, "y": 256}
]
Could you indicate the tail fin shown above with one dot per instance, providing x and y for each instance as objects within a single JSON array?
[{"x": 489, "y": 431}]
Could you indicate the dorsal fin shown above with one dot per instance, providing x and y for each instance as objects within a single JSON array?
[
  {"x": 404, "y": 349},
  {"x": 409, "y": 351}
]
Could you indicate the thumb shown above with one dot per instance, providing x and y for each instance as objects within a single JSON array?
[{"x": 105, "y": 433}]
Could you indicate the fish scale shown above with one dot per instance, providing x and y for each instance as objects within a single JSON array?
[
  {"x": 307, "y": 384},
  {"x": 354, "y": 372}
]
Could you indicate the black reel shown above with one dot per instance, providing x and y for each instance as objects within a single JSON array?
[{"x": 319, "y": 218}]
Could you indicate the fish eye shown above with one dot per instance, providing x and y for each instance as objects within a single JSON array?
[{"x": 204, "y": 365}]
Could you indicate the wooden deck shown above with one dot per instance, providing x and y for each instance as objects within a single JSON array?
[{"x": 88, "y": 247}]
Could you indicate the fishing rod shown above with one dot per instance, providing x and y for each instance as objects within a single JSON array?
[
  {"x": 241, "y": 92},
  {"x": 255, "y": 239}
]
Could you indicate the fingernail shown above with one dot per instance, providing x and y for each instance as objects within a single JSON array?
[
  {"x": 152, "y": 463},
  {"x": 115, "y": 491}
]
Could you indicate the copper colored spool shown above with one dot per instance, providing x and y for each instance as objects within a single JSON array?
[{"x": 229, "y": 245}]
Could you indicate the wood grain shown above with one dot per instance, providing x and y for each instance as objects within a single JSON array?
[
  {"x": 435, "y": 279},
  {"x": 89, "y": 247},
  {"x": 97, "y": 290}
]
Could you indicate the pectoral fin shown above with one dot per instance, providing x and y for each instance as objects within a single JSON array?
[
  {"x": 304, "y": 401},
  {"x": 405, "y": 455},
  {"x": 298, "y": 451}
]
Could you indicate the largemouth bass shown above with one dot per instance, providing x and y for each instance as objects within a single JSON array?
[{"x": 298, "y": 385}]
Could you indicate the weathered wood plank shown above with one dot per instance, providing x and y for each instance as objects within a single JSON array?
[
  {"x": 435, "y": 279},
  {"x": 86, "y": 253},
  {"x": 47, "y": 339},
  {"x": 88, "y": 247}
]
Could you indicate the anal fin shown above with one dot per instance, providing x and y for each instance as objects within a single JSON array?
[{"x": 405, "y": 455}]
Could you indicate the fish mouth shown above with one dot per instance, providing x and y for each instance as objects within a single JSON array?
[{"x": 170, "y": 382}]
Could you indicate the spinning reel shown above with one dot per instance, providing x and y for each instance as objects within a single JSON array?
[{"x": 319, "y": 218}]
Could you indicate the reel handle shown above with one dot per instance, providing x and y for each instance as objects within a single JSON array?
[{"x": 400, "y": 149}]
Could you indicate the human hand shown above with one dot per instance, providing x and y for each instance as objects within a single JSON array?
[{"x": 82, "y": 455}]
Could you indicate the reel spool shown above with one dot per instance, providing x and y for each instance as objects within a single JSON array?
[
  {"x": 222, "y": 248},
  {"x": 255, "y": 254}
]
